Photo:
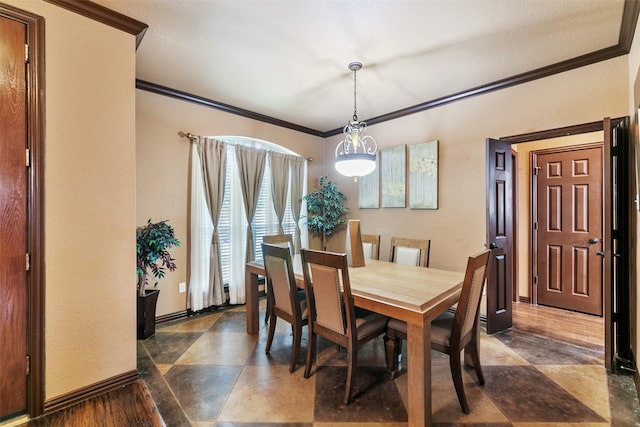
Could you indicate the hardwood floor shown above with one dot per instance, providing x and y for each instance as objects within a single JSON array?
[
  {"x": 568, "y": 326},
  {"x": 131, "y": 405}
]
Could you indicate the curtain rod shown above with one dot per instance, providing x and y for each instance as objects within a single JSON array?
[{"x": 192, "y": 137}]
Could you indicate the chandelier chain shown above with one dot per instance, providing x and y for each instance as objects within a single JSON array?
[{"x": 355, "y": 107}]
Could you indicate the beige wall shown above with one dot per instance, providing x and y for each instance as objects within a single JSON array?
[
  {"x": 163, "y": 167},
  {"x": 89, "y": 200},
  {"x": 457, "y": 228}
]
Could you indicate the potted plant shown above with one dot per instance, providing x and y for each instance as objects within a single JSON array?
[
  {"x": 153, "y": 243},
  {"x": 326, "y": 210}
]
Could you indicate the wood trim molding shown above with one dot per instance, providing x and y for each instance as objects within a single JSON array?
[
  {"x": 525, "y": 300},
  {"x": 184, "y": 96},
  {"x": 106, "y": 16},
  {"x": 35, "y": 36},
  {"x": 85, "y": 393},
  {"x": 559, "y": 132},
  {"x": 627, "y": 29},
  {"x": 183, "y": 314}
]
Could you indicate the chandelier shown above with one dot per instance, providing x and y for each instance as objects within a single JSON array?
[{"x": 356, "y": 153}]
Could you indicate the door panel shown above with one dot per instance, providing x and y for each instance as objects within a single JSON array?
[
  {"x": 499, "y": 235},
  {"x": 570, "y": 229},
  {"x": 13, "y": 219}
]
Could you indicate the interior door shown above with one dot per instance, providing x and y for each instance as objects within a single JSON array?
[
  {"x": 13, "y": 219},
  {"x": 499, "y": 235},
  {"x": 617, "y": 248},
  {"x": 569, "y": 228}
]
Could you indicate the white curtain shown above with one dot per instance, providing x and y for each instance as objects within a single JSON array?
[
  {"x": 238, "y": 244},
  {"x": 237, "y": 293},
  {"x": 279, "y": 165},
  {"x": 297, "y": 165},
  {"x": 251, "y": 163},
  {"x": 208, "y": 170}
]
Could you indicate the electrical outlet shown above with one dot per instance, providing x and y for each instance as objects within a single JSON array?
[{"x": 182, "y": 287}]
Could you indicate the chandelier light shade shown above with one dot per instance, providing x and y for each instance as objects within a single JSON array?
[{"x": 356, "y": 153}]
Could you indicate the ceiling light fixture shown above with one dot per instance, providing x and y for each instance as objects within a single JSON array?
[{"x": 356, "y": 153}]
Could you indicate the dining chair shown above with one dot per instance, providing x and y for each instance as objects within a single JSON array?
[
  {"x": 405, "y": 250},
  {"x": 283, "y": 297},
  {"x": 332, "y": 313},
  {"x": 371, "y": 246},
  {"x": 284, "y": 240},
  {"x": 279, "y": 239},
  {"x": 450, "y": 332}
]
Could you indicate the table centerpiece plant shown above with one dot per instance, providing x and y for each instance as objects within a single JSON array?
[{"x": 326, "y": 209}]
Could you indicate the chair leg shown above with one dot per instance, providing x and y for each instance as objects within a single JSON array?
[
  {"x": 267, "y": 305},
  {"x": 392, "y": 350},
  {"x": 472, "y": 350},
  {"x": 456, "y": 375},
  {"x": 297, "y": 337},
  {"x": 272, "y": 329},
  {"x": 311, "y": 353},
  {"x": 351, "y": 374}
]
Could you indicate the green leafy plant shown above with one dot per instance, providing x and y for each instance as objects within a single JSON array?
[
  {"x": 153, "y": 243},
  {"x": 326, "y": 210}
]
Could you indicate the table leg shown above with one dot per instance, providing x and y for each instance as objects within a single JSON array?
[
  {"x": 419, "y": 374},
  {"x": 251, "y": 289}
]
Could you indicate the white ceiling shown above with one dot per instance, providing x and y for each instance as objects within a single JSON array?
[{"x": 287, "y": 59}]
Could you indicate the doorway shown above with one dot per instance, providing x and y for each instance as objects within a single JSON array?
[{"x": 615, "y": 134}]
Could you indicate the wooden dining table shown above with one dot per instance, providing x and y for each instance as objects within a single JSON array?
[{"x": 414, "y": 294}]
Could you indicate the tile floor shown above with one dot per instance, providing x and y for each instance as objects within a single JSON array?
[{"x": 206, "y": 371}]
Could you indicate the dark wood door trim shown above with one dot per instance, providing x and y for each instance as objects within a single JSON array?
[
  {"x": 607, "y": 271},
  {"x": 499, "y": 235},
  {"x": 35, "y": 26},
  {"x": 515, "y": 297}
]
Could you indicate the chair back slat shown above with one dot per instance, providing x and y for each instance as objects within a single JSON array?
[
  {"x": 282, "y": 290},
  {"x": 279, "y": 281},
  {"x": 469, "y": 304},
  {"x": 329, "y": 291},
  {"x": 285, "y": 240},
  {"x": 328, "y": 298},
  {"x": 410, "y": 251},
  {"x": 371, "y": 246}
]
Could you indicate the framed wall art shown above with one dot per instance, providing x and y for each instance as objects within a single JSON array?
[
  {"x": 369, "y": 188},
  {"x": 423, "y": 175},
  {"x": 393, "y": 173}
]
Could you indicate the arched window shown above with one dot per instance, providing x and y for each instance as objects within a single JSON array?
[{"x": 232, "y": 226}]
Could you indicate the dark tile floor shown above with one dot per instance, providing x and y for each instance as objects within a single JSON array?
[{"x": 206, "y": 371}]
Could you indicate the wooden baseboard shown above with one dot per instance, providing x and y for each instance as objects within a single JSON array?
[
  {"x": 524, "y": 299},
  {"x": 172, "y": 316},
  {"x": 186, "y": 313},
  {"x": 85, "y": 393}
]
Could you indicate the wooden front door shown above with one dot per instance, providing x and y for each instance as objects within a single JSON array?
[
  {"x": 568, "y": 185},
  {"x": 499, "y": 235},
  {"x": 13, "y": 219}
]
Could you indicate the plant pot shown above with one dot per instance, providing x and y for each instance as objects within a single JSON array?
[{"x": 146, "y": 312}]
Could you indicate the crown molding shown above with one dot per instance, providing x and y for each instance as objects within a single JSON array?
[
  {"x": 105, "y": 15},
  {"x": 631, "y": 11}
]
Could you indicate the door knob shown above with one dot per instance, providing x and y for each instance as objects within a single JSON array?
[
  {"x": 600, "y": 253},
  {"x": 493, "y": 245},
  {"x": 593, "y": 240}
]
